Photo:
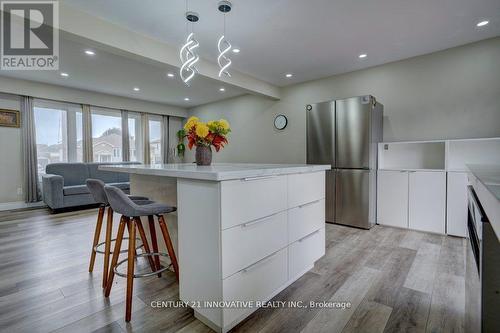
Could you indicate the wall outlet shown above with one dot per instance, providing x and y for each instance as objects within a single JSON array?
[{"x": 19, "y": 191}]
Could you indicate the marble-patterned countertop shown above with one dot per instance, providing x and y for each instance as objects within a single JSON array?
[
  {"x": 215, "y": 172},
  {"x": 486, "y": 182}
]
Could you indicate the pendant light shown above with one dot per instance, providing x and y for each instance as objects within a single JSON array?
[
  {"x": 187, "y": 53},
  {"x": 223, "y": 45}
]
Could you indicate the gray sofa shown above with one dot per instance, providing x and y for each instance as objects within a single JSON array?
[{"x": 64, "y": 186}]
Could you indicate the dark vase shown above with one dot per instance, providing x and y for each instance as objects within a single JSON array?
[{"x": 203, "y": 155}]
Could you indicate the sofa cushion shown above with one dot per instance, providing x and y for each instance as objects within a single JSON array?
[
  {"x": 105, "y": 176},
  {"x": 73, "y": 173},
  {"x": 121, "y": 186},
  {"x": 75, "y": 190}
]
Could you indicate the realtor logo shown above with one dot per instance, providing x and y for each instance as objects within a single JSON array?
[{"x": 30, "y": 35}]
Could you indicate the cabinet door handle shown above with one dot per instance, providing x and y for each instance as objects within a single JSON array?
[
  {"x": 249, "y": 179},
  {"x": 309, "y": 203},
  {"x": 258, "y": 263},
  {"x": 254, "y": 222},
  {"x": 310, "y": 235}
]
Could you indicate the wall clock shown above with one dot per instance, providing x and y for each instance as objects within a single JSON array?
[{"x": 280, "y": 122}]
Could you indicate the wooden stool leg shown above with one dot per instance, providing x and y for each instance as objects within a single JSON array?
[
  {"x": 170, "y": 247},
  {"x": 116, "y": 255},
  {"x": 128, "y": 229},
  {"x": 154, "y": 241},
  {"x": 144, "y": 240},
  {"x": 97, "y": 234},
  {"x": 107, "y": 246},
  {"x": 130, "y": 271}
]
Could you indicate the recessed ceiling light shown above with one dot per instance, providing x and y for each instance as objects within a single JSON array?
[
  {"x": 222, "y": 89},
  {"x": 362, "y": 55},
  {"x": 482, "y": 23},
  {"x": 186, "y": 99},
  {"x": 289, "y": 75},
  {"x": 89, "y": 52},
  {"x": 236, "y": 50},
  {"x": 64, "y": 74},
  {"x": 170, "y": 74},
  {"x": 136, "y": 89}
]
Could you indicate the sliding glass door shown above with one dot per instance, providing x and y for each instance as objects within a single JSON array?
[{"x": 58, "y": 129}]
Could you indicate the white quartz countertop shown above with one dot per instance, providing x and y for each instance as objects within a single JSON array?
[{"x": 214, "y": 172}]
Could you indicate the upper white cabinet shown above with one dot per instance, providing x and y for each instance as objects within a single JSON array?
[
  {"x": 424, "y": 155},
  {"x": 427, "y": 201},
  {"x": 392, "y": 194}
]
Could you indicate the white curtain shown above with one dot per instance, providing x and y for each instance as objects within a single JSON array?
[
  {"x": 125, "y": 137},
  {"x": 30, "y": 160},
  {"x": 87, "y": 148},
  {"x": 165, "y": 140},
  {"x": 145, "y": 138}
]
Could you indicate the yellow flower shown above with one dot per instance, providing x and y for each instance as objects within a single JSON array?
[
  {"x": 191, "y": 122},
  {"x": 202, "y": 130},
  {"x": 224, "y": 124},
  {"x": 211, "y": 123}
]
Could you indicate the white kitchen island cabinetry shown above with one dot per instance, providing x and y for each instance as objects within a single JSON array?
[{"x": 245, "y": 231}]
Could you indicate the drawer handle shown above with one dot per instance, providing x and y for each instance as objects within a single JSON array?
[
  {"x": 310, "y": 235},
  {"x": 258, "y": 263},
  {"x": 254, "y": 222},
  {"x": 309, "y": 203},
  {"x": 249, "y": 179}
]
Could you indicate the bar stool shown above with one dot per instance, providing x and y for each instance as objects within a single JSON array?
[
  {"x": 131, "y": 214},
  {"x": 96, "y": 188}
]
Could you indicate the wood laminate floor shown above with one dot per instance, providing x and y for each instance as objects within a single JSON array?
[{"x": 395, "y": 281}]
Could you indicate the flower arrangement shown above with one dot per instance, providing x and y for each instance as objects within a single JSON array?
[{"x": 204, "y": 135}]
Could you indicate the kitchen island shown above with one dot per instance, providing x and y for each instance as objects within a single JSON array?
[{"x": 244, "y": 231}]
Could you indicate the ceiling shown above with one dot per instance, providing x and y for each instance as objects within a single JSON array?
[
  {"x": 311, "y": 39},
  {"x": 115, "y": 74}
]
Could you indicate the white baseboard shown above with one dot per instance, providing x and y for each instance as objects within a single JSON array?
[{"x": 20, "y": 204}]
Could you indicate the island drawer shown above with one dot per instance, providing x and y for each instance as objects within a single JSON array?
[
  {"x": 305, "y": 187},
  {"x": 249, "y": 242},
  {"x": 255, "y": 283},
  {"x": 248, "y": 199},
  {"x": 305, "y": 219},
  {"x": 303, "y": 253}
]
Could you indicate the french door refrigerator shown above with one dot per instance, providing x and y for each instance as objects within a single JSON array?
[{"x": 344, "y": 133}]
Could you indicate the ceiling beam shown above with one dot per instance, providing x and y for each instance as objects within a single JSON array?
[{"x": 83, "y": 26}]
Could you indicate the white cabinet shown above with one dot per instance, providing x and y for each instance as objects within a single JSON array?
[
  {"x": 456, "y": 208},
  {"x": 392, "y": 194},
  {"x": 247, "y": 239},
  {"x": 427, "y": 201},
  {"x": 412, "y": 199}
]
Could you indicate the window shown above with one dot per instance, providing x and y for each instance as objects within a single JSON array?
[
  {"x": 58, "y": 132},
  {"x": 106, "y": 135},
  {"x": 155, "y": 139},
  {"x": 135, "y": 137}
]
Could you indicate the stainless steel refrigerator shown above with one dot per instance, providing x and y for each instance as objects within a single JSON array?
[{"x": 344, "y": 133}]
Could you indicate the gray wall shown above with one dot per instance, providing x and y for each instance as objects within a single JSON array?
[{"x": 449, "y": 94}]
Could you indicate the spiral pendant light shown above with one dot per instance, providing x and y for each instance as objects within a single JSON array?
[
  {"x": 223, "y": 44},
  {"x": 187, "y": 53}
]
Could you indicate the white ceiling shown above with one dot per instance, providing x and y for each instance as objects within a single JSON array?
[
  {"x": 313, "y": 38},
  {"x": 117, "y": 75}
]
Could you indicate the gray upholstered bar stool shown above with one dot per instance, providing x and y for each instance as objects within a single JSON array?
[
  {"x": 96, "y": 188},
  {"x": 131, "y": 214}
]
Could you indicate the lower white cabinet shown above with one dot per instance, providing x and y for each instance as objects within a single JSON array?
[
  {"x": 412, "y": 199},
  {"x": 392, "y": 202},
  {"x": 427, "y": 201},
  {"x": 304, "y": 252},
  {"x": 247, "y": 240},
  {"x": 456, "y": 207}
]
